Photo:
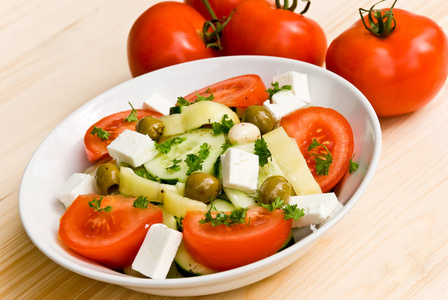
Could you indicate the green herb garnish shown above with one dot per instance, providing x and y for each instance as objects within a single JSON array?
[
  {"x": 323, "y": 161},
  {"x": 142, "y": 172},
  {"x": 224, "y": 126},
  {"x": 261, "y": 149},
  {"x": 175, "y": 165},
  {"x": 237, "y": 216},
  {"x": 194, "y": 161},
  {"x": 165, "y": 147},
  {"x": 276, "y": 88},
  {"x": 289, "y": 211},
  {"x": 101, "y": 133},
  {"x": 141, "y": 202},
  {"x": 132, "y": 116},
  {"x": 353, "y": 166},
  {"x": 96, "y": 204}
]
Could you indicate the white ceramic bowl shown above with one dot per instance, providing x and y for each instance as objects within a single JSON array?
[{"x": 62, "y": 153}]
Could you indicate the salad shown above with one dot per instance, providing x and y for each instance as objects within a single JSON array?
[{"x": 231, "y": 174}]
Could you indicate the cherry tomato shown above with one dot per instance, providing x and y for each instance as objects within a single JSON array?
[
  {"x": 166, "y": 34},
  {"x": 329, "y": 128},
  {"x": 241, "y": 91},
  {"x": 223, "y": 248},
  {"x": 221, "y": 8},
  {"x": 258, "y": 28},
  {"x": 96, "y": 148},
  {"x": 398, "y": 74},
  {"x": 111, "y": 238}
]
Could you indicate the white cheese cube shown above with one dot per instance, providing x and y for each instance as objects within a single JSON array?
[
  {"x": 158, "y": 103},
  {"x": 317, "y": 208},
  {"x": 280, "y": 110},
  {"x": 285, "y": 97},
  {"x": 298, "y": 83},
  {"x": 77, "y": 184},
  {"x": 239, "y": 170},
  {"x": 132, "y": 148},
  {"x": 157, "y": 251}
]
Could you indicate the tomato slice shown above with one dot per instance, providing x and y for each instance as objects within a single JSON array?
[
  {"x": 110, "y": 238},
  {"x": 241, "y": 91},
  {"x": 223, "y": 248},
  {"x": 96, "y": 148},
  {"x": 329, "y": 128}
]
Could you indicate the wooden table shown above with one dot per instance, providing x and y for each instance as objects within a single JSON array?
[{"x": 57, "y": 55}]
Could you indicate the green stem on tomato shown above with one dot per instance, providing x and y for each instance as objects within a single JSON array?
[
  {"x": 381, "y": 22},
  {"x": 209, "y": 9},
  {"x": 293, "y": 6},
  {"x": 212, "y": 39}
]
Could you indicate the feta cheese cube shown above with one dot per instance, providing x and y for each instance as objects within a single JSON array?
[
  {"x": 158, "y": 103},
  {"x": 77, "y": 184},
  {"x": 317, "y": 208},
  {"x": 132, "y": 148},
  {"x": 281, "y": 110},
  {"x": 239, "y": 170},
  {"x": 157, "y": 251},
  {"x": 298, "y": 83}
]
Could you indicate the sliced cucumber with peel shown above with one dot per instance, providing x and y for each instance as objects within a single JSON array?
[{"x": 159, "y": 165}]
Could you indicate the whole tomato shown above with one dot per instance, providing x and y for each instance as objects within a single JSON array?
[
  {"x": 259, "y": 28},
  {"x": 167, "y": 33},
  {"x": 221, "y": 8},
  {"x": 398, "y": 73}
]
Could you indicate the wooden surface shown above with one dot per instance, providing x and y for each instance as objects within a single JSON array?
[{"x": 57, "y": 55}]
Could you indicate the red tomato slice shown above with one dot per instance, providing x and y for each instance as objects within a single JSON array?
[
  {"x": 110, "y": 238},
  {"x": 329, "y": 128},
  {"x": 96, "y": 148},
  {"x": 223, "y": 248},
  {"x": 241, "y": 91}
]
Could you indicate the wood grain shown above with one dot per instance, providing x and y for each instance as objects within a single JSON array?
[{"x": 57, "y": 55}]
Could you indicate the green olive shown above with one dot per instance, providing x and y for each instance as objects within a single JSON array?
[
  {"x": 261, "y": 117},
  {"x": 202, "y": 186},
  {"x": 274, "y": 187},
  {"x": 151, "y": 126},
  {"x": 107, "y": 179}
]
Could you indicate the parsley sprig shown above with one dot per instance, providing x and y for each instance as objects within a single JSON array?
[
  {"x": 276, "y": 88},
  {"x": 353, "y": 167},
  {"x": 165, "y": 147},
  {"x": 261, "y": 149},
  {"x": 323, "y": 161},
  {"x": 132, "y": 116},
  {"x": 101, "y": 133},
  {"x": 289, "y": 211},
  {"x": 141, "y": 202},
  {"x": 142, "y": 172},
  {"x": 194, "y": 161},
  {"x": 237, "y": 216},
  {"x": 175, "y": 165},
  {"x": 224, "y": 126},
  {"x": 96, "y": 205},
  {"x": 182, "y": 102}
]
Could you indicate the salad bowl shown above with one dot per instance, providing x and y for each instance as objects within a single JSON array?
[{"x": 62, "y": 154}]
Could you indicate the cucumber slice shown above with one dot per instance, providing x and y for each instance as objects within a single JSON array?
[
  {"x": 187, "y": 266},
  {"x": 195, "y": 116},
  {"x": 222, "y": 205},
  {"x": 194, "y": 139},
  {"x": 133, "y": 185},
  {"x": 178, "y": 205},
  {"x": 290, "y": 160}
]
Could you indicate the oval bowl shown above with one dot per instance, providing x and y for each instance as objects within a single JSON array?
[{"x": 62, "y": 153}]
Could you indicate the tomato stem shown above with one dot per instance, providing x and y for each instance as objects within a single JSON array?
[
  {"x": 293, "y": 6},
  {"x": 209, "y": 9},
  {"x": 381, "y": 22},
  {"x": 211, "y": 31}
]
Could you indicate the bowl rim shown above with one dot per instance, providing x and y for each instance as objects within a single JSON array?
[{"x": 130, "y": 281}]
